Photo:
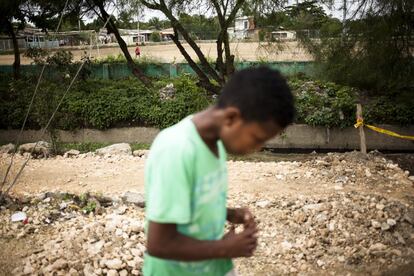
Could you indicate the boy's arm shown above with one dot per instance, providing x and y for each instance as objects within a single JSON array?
[{"x": 164, "y": 241}]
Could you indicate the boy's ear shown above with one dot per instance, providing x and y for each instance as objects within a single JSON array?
[{"x": 231, "y": 115}]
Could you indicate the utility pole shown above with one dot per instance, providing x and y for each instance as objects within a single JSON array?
[
  {"x": 139, "y": 37},
  {"x": 344, "y": 9}
]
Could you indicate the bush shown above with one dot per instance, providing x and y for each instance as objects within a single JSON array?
[
  {"x": 103, "y": 104},
  {"x": 155, "y": 37},
  {"x": 324, "y": 103},
  {"x": 100, "y": 104}
]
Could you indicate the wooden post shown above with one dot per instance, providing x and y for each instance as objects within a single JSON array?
[{"x": 363, "y": 145}]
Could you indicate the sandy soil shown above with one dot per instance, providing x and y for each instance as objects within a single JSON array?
[
  {"x": 349, "y": 188},
  {"x": 168, "y": 53}
]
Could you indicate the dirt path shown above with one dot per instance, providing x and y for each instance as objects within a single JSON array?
[
  {"x": 326, "y": 214},
  {"x": 116, "y": 175},
  {"x": 169, "y": 53}
]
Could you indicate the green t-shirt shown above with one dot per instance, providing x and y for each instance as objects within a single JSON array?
[{"x": 186, "y": 184}]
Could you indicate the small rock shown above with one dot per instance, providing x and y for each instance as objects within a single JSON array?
[
  {"x": 136, "y": 227},
  {"x": 380, "y": 206},
  {"x": 375, "y": 224},
  {"x": 385, "y": 226},
  {"x": 71, "y": 153},
  {"x": 134, "y": 198},
  {"x": 121, "y": 210},
  {"x": 320, "y": 263},
  {"x": 28, "y": 269},
  {"x": 411, "y": 177},
  {"x": 391, "y": 222},
  {"x": 377, "y": 247},
  {"x": 311, "y": 243},
  {"x": 286, "y": 245},
  {"x": 73, "y": 272},
  {"x": 263, "y": 203},
  {"x": 140, "y": 153},
  {"x": 19, "y": 216},
  {"x": 119, "y": 232},
  {"x": 167, "y": 92},
  {"x": 112, "y": 272},
  {"x": 114, "y": 264},
  {"x": 123, "y": 273},
  {"x": 59, "y": 264}
]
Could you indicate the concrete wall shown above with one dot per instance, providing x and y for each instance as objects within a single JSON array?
[
  {"x": 306, "y": 137},
  {"x": 295, "y": 137}
]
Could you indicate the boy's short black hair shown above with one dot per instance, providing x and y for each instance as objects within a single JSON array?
[{"x": 261, "y": 94}]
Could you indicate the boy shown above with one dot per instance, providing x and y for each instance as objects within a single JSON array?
[{"x": 186, "y": 177}]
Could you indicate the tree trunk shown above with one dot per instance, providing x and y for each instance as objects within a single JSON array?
[
  {"x": 225, "y": 66},
  {"x": 16, "y": 64},
  {"x": 111, "y": 27},
  {"x": 177, "y": 25},
  {"x": 204, "y": 80}
]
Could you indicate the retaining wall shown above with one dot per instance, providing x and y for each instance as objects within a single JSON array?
[{"x": 297, "y": 136}]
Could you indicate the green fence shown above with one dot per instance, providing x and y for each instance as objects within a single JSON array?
[{"x": 121, "y": 70}]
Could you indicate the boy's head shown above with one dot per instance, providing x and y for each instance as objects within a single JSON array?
[{"x": 257, "y": 104}]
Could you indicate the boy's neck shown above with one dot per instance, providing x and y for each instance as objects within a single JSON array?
[{"x": 207, "y": 123}]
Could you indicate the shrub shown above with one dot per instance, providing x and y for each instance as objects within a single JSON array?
[
  {"x": 102, "y": 104},
  {"x": 155, "y": 37}
]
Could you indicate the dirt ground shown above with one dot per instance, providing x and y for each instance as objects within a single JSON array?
[
  {"x": 252, "y": 51},
  {"x": 353, "y": 191}
]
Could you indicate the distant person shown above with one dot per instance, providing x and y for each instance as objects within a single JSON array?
[
  {"x": 137, "y": 51},
  {"x": 186, "y": 177}
]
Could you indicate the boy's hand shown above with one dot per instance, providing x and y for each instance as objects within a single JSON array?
[
  {"x": 241, "y": 216},
  {"x": 242, "y": 244}
]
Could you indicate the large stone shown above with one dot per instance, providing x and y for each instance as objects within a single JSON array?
[
  {"x": 9, "y": 148},
  {"x": 39, "y": 149},
  {"x": 135, "y": 198},
  {"x": 115, "y": 149}
]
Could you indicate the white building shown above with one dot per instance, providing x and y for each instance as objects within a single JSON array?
[
  {"x": 284, "y": 35},
  {"x": 243, "y": 27},
  {"x": 132, "y": 37}
]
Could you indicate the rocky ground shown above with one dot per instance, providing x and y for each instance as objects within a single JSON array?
[{"x": 332, "y": 214}]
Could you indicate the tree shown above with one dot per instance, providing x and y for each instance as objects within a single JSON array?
[
  {"x": 12, "y": 18},
  {"x": 375, "y": 50},
  {"x": 199, "y": 26},
  {"x": 211, "y": 77},
  {"x": 99, "y": 9},
  {"x": 155, "y": 37}
]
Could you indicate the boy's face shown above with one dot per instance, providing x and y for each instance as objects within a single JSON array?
[{"x": 244, "y": 137}]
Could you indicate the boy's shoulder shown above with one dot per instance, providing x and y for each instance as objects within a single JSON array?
[{"x": 176, "y": 138}]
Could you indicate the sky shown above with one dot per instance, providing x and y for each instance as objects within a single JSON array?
[{"x": 335, "y": 12}]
